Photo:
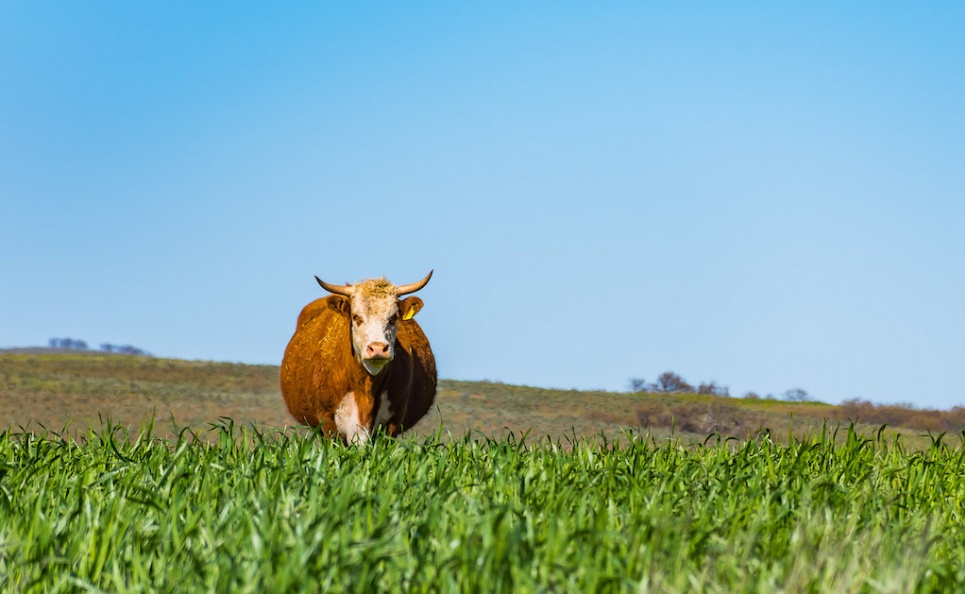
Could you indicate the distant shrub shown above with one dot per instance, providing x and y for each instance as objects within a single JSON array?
[
  {"x": 67, "y": 343},
  {"x": 712, "y": 389},
  {"x": 752, "y": 396},
  {"x": 796, "y": 395},
  {"x": 901, "y": 414},
  {"x": 700, "y": 418},
  {"x": 654, "y": 414},
  {"x": 693, "y": 417},
  {"x": 123, "y": 349}
]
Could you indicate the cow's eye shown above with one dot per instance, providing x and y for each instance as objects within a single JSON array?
[
  {"x": 357, "y": 319},
  {"x": 393, "y": 319}
]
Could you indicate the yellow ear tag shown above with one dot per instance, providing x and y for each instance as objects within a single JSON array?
[{"x": 409, "y": 314}]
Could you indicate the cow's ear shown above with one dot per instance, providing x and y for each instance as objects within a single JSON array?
[
  {"x": 409, "y": 307},
  {"x": 339, "y": 303}
]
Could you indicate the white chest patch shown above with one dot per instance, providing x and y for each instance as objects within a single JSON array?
[
  {"x": 348, "y": 422},
  {"x": 385, "y": 412}
]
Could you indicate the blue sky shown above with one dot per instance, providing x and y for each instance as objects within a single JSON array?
[{"x": 766, "y": 195}]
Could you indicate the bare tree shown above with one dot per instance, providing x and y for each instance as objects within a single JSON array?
[
  {"x": 638, "y": 384},
  {"x": 796, "y": 395},
  {"x": 671, "y": 382}
]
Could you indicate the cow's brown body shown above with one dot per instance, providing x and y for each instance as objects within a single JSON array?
[{"x": 321, "y": 370}]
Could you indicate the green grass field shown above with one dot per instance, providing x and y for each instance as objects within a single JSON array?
[
  {"x": 242, "y": 511},
  {"x": 607, "y": 491}
]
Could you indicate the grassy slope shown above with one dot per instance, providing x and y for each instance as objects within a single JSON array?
[{"x": 49, "y": 390}]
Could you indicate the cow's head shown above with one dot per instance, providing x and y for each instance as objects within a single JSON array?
[{"x": 374, "y": 308}]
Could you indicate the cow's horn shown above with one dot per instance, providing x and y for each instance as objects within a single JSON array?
[
  {"x": 406, "y": 289},
  {"x": 337, "y": 289}
]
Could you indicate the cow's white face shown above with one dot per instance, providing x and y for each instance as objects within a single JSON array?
[{"x": 375, "y": 322}]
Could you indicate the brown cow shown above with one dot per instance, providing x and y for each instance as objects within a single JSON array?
[{"x": 358, "y": 361}]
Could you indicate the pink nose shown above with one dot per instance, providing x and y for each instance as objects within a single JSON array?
[{"x": 377, "y": 350}]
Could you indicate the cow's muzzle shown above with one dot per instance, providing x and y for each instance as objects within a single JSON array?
[
  {"x": 378, "y": 350},
  {"x": 377, "y": 355}
]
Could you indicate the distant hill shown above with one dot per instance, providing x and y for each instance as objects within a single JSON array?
[{"x": 43, "y": 388}]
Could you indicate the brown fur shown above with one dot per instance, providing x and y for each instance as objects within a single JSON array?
[{"x": 319, "y": 369}]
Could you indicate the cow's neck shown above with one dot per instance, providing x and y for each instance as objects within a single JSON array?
[{"x": 367, "y": 391}]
